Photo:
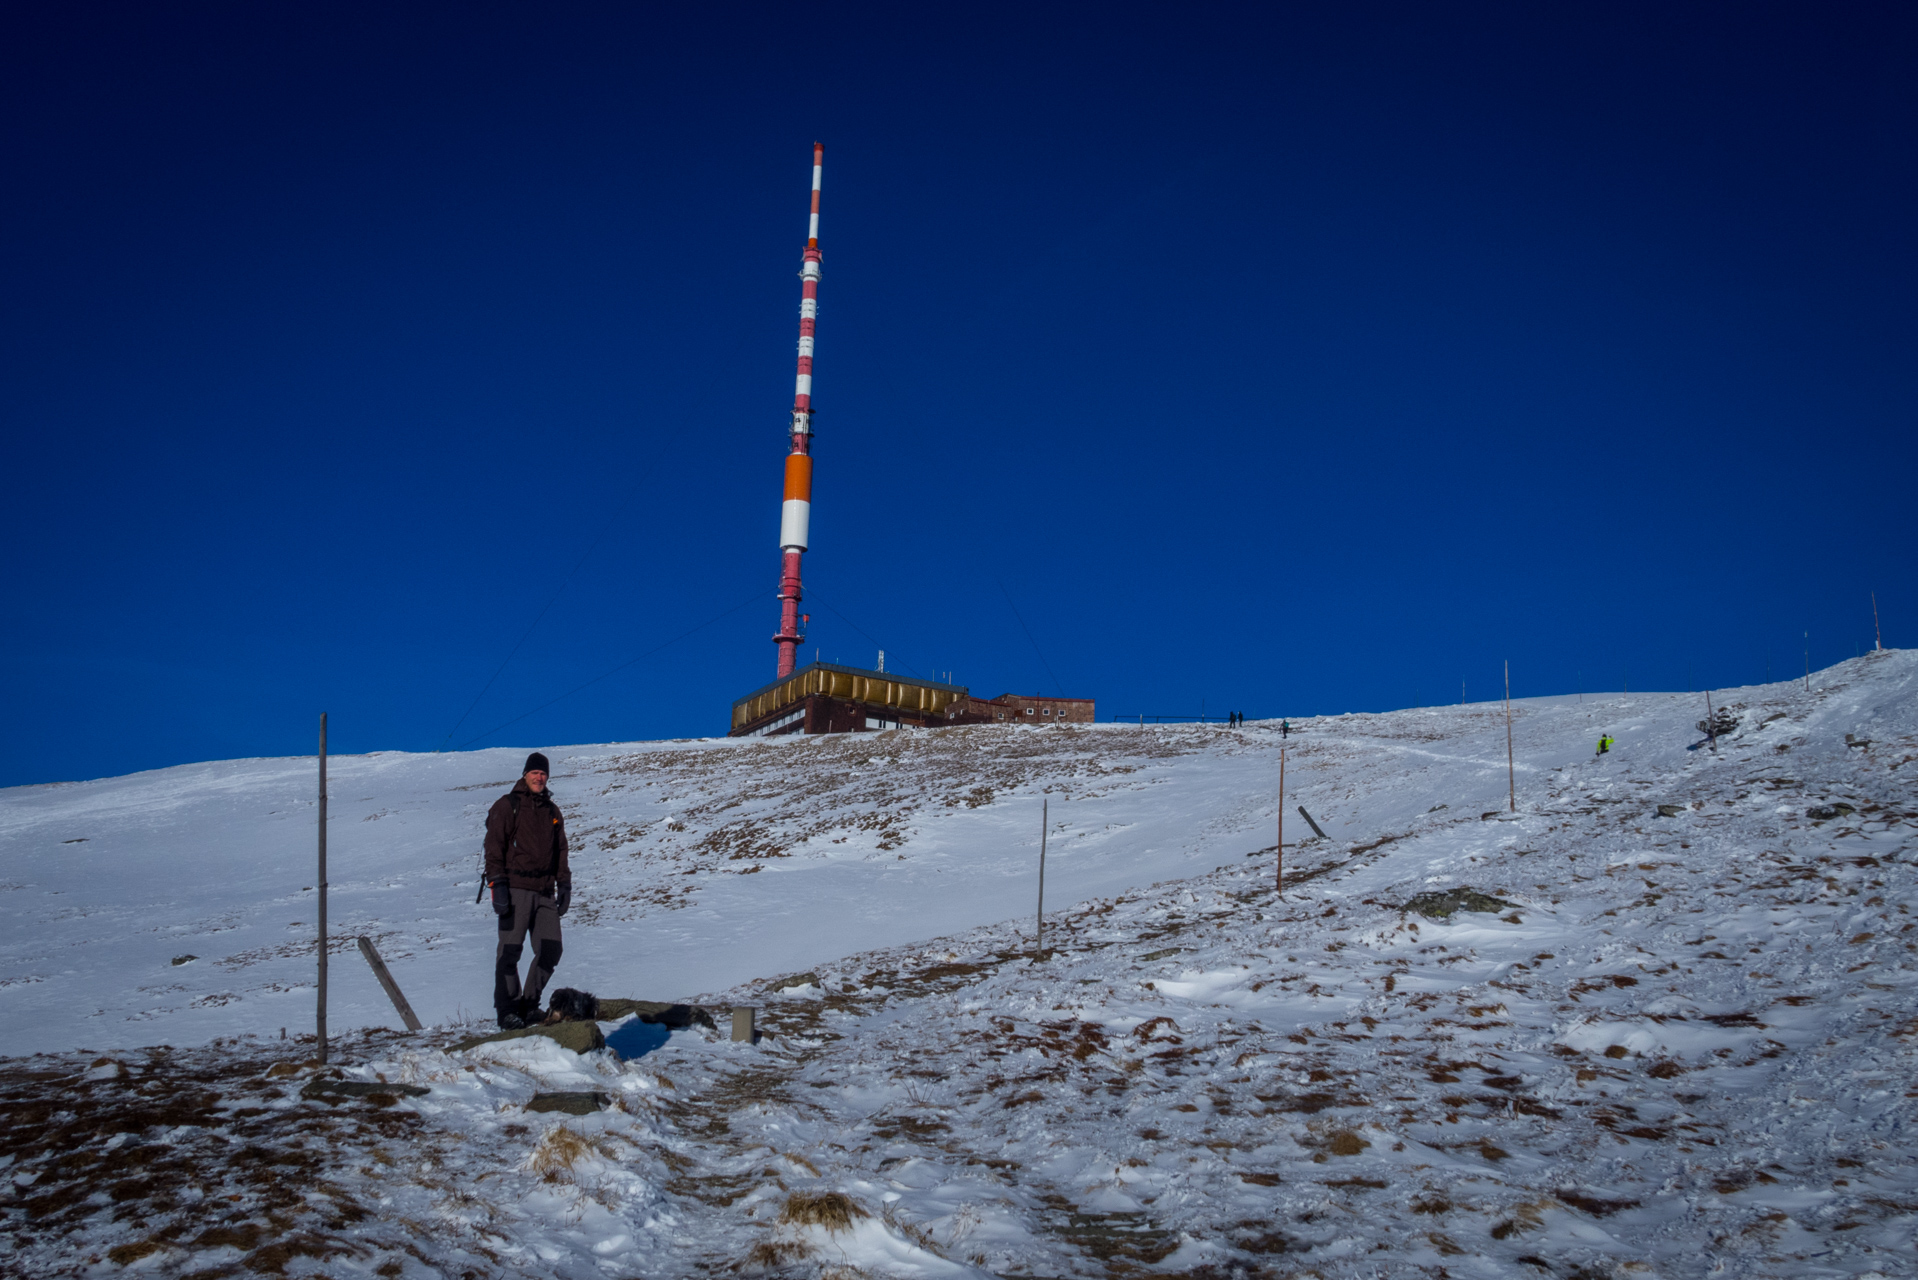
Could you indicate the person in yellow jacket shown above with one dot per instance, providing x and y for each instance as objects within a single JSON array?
[{"x": 1604, "y": 743}]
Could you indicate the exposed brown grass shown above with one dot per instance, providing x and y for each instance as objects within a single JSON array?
[
  {"x": 560, "y": 1151},
  {"x": 128, "y": 1254},
  {"x": 777, "y": 1253},
  {"x": 1347, "y": 1143},
  {"x": 833, "y": 1210}
]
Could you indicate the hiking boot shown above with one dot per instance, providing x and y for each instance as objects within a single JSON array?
[{"x": 511, "y": 1022}]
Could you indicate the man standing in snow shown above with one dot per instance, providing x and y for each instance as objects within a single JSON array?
[{"x": 532, "y": 885}]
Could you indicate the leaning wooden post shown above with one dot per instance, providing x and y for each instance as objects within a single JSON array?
[
  {"x": 1711, "y": 729},
  {"x": 1045, "y": 807},
  {"x": 1877, "y": 634},
  {"x": 1511, "y": 775},
  {"x": 400, "y": 1005},
  {"x": 1278, "y": 886},
  {"x": 320, "y": 1018}
]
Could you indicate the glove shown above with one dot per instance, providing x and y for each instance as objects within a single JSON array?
[
  {"x": 502, "y": 897},
  {"x": 565, "y": 897}
]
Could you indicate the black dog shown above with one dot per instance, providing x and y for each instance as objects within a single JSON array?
[{"x": 568, "y": 1005}]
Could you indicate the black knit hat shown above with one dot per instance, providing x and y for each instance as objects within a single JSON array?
[{"x": 536, "y": 761}]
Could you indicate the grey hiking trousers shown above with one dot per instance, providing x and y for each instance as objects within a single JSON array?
[{"x": 536, "y": 914}]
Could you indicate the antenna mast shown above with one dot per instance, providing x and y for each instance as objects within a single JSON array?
[{"x": 795, "y": 516}]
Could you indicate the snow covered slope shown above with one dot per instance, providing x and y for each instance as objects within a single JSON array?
[
  {"x": 1685, "y": 1048},
  {"x": 698, "y": 864}
]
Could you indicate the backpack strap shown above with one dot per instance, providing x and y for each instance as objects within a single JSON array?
[
  {"x": 512, "y": 834},
  {"x": 552, "y": 868}
]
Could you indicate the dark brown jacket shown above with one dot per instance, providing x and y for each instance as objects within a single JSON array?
[{"x": 536, "y": 859}]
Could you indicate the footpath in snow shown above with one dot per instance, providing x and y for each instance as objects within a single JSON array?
[{"x": 1682, "y": 1044}]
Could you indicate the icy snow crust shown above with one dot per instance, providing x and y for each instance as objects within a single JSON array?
[{"x": 1688, "y": 1050}]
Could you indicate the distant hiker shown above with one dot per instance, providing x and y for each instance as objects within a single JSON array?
[
  {"x": 1604, "y": 744},
  {"x": 532, "y": 885},
  {"x": 1285, "y": 728}
]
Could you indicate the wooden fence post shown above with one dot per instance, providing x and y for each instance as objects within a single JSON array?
[
  {"x": 1045, "y": 807},
  {"x": 1278, "y": 886},
  {"x": 320, "y": 1016},
  {"x": 1511, "y": 775},
  {"x": 392, "y": 987}
]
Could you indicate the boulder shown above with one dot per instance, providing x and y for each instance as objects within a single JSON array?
[
  {"x": 582, "y": 1103},
  {"x": 675, "y": 1016},
  {"x": 1440, "y": 906},
  {"x": 791, "y": 981},
  {"x": 1722, "y": 722},
  {"x": 580, "y": 1037},
  {"x": 585, "y": 1037},
  {"x": 332, "y": 1091}
]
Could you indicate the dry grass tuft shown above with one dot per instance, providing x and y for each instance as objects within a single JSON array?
[
  {"x": 1347, "y": 1143},
  {"x": 833, "y": 1210},
  {"x": 777, "y": 1253},
  {"x": 1524, "y": 1217},
  {"x": 560, "y": 1151},
  {"x": 128, "y": 1254},
  {"x": 245, "y": 1237}
]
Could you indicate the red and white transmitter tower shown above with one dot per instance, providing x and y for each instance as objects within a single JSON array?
[{"x": 795, "y": 514}]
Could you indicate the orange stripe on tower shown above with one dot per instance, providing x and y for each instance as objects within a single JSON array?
[{"x": 799, "y": 477}]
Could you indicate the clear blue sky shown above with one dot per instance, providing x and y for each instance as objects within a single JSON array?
[{"x": 1292, "y": 359}]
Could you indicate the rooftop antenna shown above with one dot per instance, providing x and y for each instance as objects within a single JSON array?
[{"x": 795, "y": 515}]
